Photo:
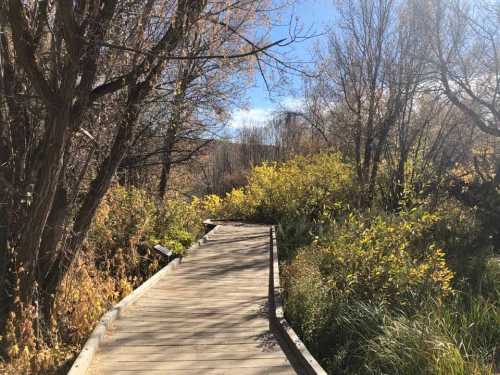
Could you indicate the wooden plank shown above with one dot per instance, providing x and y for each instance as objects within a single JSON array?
[
  {"x": 182, "y": 291},
  {"x": 258, "y": 299},
  {"x": 209, "y": 317},
  {"x": 167, "y": 302},
  {"x": 229, "y": 298},
  {"x": 204, "y": 281},
  {"x": 227, "y": 258},
  {"x": 175, "y": 350},
  {"x": 200, "y": 319},
  {"x": 191, "y": 324},
  {"x": 222, "y": 271},
  {"x": 235, "y": 285},
  {"x": 249, "y": 334},
  {"x": 194, "y": 356},
  {"x": 126, "y": 341},
  {"x": 192, "y": 330},
  {"x": 161, "y": 310},
  {"x": 276, "y": 370},
  {"x": 172, "y": 364}
]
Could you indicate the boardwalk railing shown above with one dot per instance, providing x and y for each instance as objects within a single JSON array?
[{"x": 282, "y": 328}]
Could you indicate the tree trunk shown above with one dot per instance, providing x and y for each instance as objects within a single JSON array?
[
  {"x": 384, "y": 132},
  {"x": 167, "y": 161},
  {"x": 100, "y": 184},
  {"x": 28, "y": 247}
]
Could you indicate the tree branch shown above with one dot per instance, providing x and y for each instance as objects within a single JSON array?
[{"x": 23, "y": 44}]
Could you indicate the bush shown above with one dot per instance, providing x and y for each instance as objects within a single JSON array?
[
  {"x": 237, "y": 205},
  {"x": 178, "y": 223},
  {"x": 460, "y": 232},
  {"x": 375, "y": 295},
  {"x": 210, "y": 206},
  {"x": 123, "y": 220},
  {"x": 389, "y": 260},
  {"x": 83, "y": 297},
  {"x": 129, "y": 223},
  {"x": 316, "y": 188},
  {"x": 339, "y": 291}
]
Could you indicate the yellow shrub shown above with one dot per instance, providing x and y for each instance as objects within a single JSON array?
[
  {"x": 129, "y": 223},
  {"x": 85, "y": 294},
  {"x": 178, "y": 223},
  {"x": 124, "y": 218},
  {"x": 210, "y": 206},
  {"x": 389, "y": 261},
  {"x": 117, "y": 257},
  {"x": 316, "y": 187},
  {"x": 36, "y": 346},
  {"x": 237, "y": 205}
]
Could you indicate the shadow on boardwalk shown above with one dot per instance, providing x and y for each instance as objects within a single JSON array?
[{"x": 209, "y": 317}]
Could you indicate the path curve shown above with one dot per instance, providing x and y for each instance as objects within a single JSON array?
[{"x": 208, "y": 317}]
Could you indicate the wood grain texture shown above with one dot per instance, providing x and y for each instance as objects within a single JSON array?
[{"x": 208, "y": 317}]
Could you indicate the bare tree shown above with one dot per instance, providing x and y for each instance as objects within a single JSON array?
[
  {"x": 367, "y": 83},
  {"x": 465, "y": 60},
  {"x": 76, "y": 78},
  {"x": 465, "y": 40}
]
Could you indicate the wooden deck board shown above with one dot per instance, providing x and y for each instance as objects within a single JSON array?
[
  {"x": 277, "y": 370},
  {"x": 209, "y": 317}
]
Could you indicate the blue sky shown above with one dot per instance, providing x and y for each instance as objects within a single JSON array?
[{"x": 313, "y": 16}]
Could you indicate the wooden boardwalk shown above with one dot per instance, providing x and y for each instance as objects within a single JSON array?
[{"x": 208, "y": 317}]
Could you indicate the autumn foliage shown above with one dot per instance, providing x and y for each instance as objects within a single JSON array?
[{"x": 118, "y": 256}]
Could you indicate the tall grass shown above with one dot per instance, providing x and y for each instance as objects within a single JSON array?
[
  {"x": 362, "y": 308},
  {"x": 459, "y": 337}
]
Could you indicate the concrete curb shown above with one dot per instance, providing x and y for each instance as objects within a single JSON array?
[
  {"x": 288, "y": 336},
  {"x": 84, "y": 359}
]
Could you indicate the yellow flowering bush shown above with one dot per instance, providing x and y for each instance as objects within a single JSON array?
[
  {"x": 129, "y": 223},
  {"x": 209, "y": 206},
  {"x": 383, "y": 260},
  {"x": 315, "y": 187},
  {"x": 237, "y": 205},
  {"x": 36, "y": 346},
  {"x": 84, "y": 296},
  {"x": 178, "y": 223},
  {"x": 124, "y": 218}
]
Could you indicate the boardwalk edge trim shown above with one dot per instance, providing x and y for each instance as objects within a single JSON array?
[
  {"x": 308, "y": 363},
  {"x": 83, "y": 361}
]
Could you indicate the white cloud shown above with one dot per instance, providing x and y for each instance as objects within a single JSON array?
[
  {"x": 291, "y": 103},
  {"x": 259, "y": 116},
  {"x": 252, "y": 116}
]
